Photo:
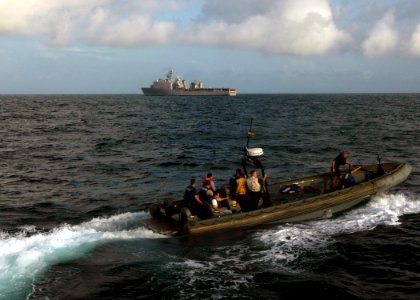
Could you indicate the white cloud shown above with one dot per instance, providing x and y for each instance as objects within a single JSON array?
[
  {"x": 383, "y": 38},
  {"x": 414, "y": 45},
  {"x": 297, "y": 27},
  {"x": 31, "y": 17},
  {"x": 127, "y": 22},
  {"x": 104, "y": 28},
  {"x": 289, "y": 27}
]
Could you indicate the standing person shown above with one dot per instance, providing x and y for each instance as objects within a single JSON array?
[
  {"x": 232, "y": 183},
  {"x": 255, "y": 187},
  {"x": 241, "y": 193},
  {"x": 190, "y": 195},
  {"x": 339, "y": 161},
  {"x": 210, "y": 179}
]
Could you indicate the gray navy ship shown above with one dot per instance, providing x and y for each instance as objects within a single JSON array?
[{"x": 179, "y": 87}]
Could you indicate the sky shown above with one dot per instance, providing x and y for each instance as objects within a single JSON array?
[{"x": 256, "y": 46}]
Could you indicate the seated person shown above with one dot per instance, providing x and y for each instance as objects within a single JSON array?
[
  {"x": 197, "y": 203},
  {"x": 205, "y": 190},
  {"x": 216, "y": 204},
  {"x": 348, "y": 180}
]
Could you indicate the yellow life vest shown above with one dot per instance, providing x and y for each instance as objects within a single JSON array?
[{"x": 241, "y": 186}]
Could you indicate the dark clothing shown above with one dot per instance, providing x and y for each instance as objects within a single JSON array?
[
  {"x": 347, "y": 181},
  {"x": 254, "y": 199},
  {"x": 203, "y": 194},
  {"x": 339, "y": 161},
  {"x": 189, "y": 195},
  {"x": 244, "y": 202},
  {"x": 232, "y": 186},
  {"x": 203, "y": 211}
]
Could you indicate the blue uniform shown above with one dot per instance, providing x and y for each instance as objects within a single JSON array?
[{"x": 189, "y": 195}]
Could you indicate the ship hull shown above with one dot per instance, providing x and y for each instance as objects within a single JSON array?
[{"x": 180, "y": 92}]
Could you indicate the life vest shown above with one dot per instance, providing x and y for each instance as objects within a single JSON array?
[
  {"x": 241, "y": 186},
  {"x": 209, "y": 181}
]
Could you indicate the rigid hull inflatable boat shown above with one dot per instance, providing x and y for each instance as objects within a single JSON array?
[
  {"x": 301, "y": 199},
  {"x": 316, "y": 201}
]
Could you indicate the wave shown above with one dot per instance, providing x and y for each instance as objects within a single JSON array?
[
  {"x": 289, "y": 247},
  {"x": 26, "y": 255},
  {"x": 288, "y": 244}
]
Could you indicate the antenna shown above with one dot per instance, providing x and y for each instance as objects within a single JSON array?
[{"x": 250, "y": 133}]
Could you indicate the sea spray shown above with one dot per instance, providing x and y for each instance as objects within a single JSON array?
[
  {"x": 286, "y": 243},
  {"x": 290, "y": 247},
  {"x": 23, "y": 257}
]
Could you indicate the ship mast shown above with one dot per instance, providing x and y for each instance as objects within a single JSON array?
[{"x": 169, "y": 75}]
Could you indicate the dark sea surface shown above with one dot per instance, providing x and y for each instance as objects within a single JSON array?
[{"x": 77, "y": 174}]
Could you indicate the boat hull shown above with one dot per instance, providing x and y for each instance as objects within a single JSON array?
[{"x": 324, "y": 205}]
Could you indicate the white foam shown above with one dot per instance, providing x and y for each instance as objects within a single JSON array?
[
  {"x": 286, "y": 243},
  {"x": 291, "y": 247},
  {"x": 24, "y": 257}
]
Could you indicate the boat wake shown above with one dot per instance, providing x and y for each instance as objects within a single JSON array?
[
  {"x": 291, "y": 247},
  {"x": 289, "y": 244},
  {"x": 26, "y": 255}
]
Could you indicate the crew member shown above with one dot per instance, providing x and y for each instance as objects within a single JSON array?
[
  {"x": 217, "y": 207},
  {"x": 348, "y": 179},
  {"x": 232, "y": 183},
  {"x": 209, "y": 178},
  {"x": 241, "y": 193},
  {"x": 205, "y": 191},
  {"x": 190, "y": 196},
  {"x": 340, "y": 160},
  {"x": 254, "y": 188}
]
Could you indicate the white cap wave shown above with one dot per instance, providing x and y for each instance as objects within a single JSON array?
[{"x": 23, "y": 257}]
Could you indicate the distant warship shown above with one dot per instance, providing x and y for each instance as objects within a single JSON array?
[{"x": 179, "y": 87}]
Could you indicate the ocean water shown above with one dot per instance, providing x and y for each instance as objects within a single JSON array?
[{"x": 77, "y": 174}]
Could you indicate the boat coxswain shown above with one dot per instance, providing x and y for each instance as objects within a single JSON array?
[{"x": 339, "y": 161}]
